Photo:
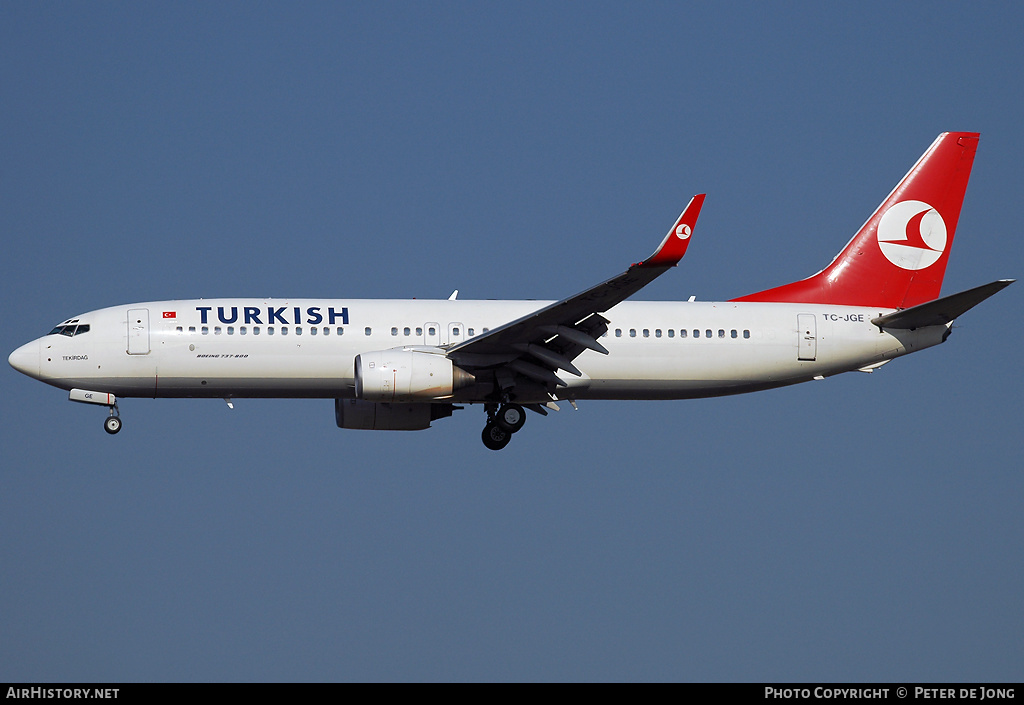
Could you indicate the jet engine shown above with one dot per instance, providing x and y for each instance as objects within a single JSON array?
[{"x": 403, "y": 374}]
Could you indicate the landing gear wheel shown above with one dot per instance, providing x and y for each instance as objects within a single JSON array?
[
  {"x": 495, "y": 437},
  {"x": 511, "y": 417},
  {"x": 112, "y": 424}
]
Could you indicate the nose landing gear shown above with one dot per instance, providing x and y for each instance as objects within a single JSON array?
[
  {"x": 501, "y": 424},
  {"x": 112, "y": 424}
]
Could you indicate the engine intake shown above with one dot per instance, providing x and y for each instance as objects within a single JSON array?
[{"x": 401, "y": 374}]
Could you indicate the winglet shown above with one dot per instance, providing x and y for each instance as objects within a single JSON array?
[{"x": 673, "y": 247}]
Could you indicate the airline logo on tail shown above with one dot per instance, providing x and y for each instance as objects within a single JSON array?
[
  {"x": 912, "y": 235},
  {"x": 683, "y": 231}
]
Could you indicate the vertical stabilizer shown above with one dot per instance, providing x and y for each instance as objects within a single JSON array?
[{"x": 898, "y": 257}]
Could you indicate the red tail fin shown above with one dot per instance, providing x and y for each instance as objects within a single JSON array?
[{"x": 898, "y": 258}]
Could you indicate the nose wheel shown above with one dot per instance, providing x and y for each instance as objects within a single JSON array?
[
  {"x": 112, "y": 424},
  {"x": 501, "y": 424}
]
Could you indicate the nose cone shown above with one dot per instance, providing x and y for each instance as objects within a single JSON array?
[{"x": 26, "y": 359}]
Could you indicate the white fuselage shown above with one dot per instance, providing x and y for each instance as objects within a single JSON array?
[{"x": 306, "y": 348}]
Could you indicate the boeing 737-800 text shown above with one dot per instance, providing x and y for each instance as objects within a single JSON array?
[{"x": 399, "y": 365}]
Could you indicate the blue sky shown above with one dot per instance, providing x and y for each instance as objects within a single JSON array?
[{"x": 867, "y": 527}]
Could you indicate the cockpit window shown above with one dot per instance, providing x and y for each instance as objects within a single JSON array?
[{"x": 70, "y": 329}]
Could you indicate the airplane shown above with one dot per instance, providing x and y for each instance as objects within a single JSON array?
[{"x": 400, "y": 364}]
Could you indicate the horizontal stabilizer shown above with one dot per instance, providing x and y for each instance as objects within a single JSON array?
[{"x": 940, "y": 311}]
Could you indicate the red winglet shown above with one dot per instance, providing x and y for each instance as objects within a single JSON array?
[{"x": 673, "y": 247}]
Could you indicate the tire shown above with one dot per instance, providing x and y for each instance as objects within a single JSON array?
[
  {"x": 495, "y": 437},
  {"x": 112, "y": 424},
  {"x": 511, "y": 417}
]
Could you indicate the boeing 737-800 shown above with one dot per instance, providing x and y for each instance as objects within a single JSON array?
[{"x": 399, "y": 365}]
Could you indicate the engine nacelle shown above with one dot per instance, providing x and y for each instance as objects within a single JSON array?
[
  {"x": 403, "y": 374},
  {"x": 381, "y": 416}
]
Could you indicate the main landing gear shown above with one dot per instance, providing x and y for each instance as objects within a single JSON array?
[{"x": 502, "y": 422}]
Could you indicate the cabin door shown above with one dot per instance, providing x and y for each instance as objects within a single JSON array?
[
  {"x": 138, "y": 331},
  {"x": 807, "y": 337}
]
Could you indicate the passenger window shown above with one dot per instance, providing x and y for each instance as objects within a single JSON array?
[
  {"x": 682, "y": 332},
  {"x": 721, "y": 333},
  {"x": 394, "y": 331},
  {"x": 657, "y": 332},
  {"x": 696, "y": 333},
  {"x": 732, "y": 333},
  {"x": 430, "y": 331},
  {"x": 256, "y": 330},
  {"x": 179, "y": 329},
  {"x": 746, "y": 334},
  {"x": 671, "y": 333},
  {"x": 368, "y": 330},
  {"x": 284, "y": 331},
  {"x": 270, "y": 330},
  {"x": 298, "y": 331},
  {"x": 647, "y": 333},
  {"x": 455, "y": 331},
  {"x": 242, "y": 330},
  {"x": 618, "y": 332},
  {"x": 406, "y": 330},
  {"x": 419, "y": 330},
  {"x": 191, "y": 329},
  {"x": 216, "y": 330},
  {"x": 231, "y": 330},
  {"x": 314, "y": 330},
  {"x": 341, "y": 330},
  {"x": 206, "y": 331},
  {"x": 707, "y": 333},
  {"x": 632, "y": 332},
  {"x": 471, "y": 332}
]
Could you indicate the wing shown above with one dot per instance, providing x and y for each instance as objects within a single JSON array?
[{"x": 530, "y": 349}]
